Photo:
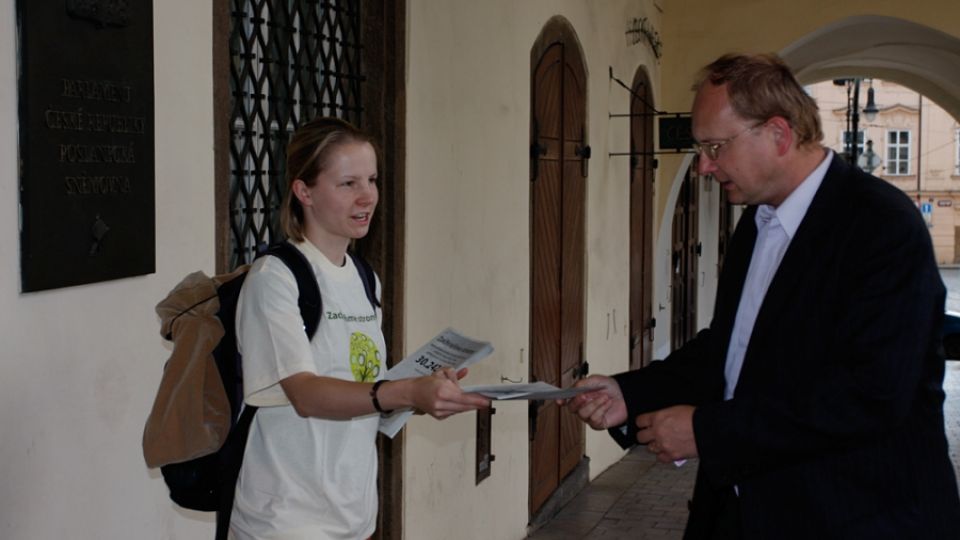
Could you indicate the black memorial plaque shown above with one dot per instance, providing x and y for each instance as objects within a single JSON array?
[{"x": 86, "y": 141}]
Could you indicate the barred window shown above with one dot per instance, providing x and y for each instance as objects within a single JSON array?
[{"x": 291, "y": 61}]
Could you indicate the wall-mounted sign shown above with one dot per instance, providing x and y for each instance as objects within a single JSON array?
[
  {"x": 86, "y": 109},
  {"x": 944, "y": 202},
  {"x": 926, "y": 209},
  {"x": 676, "y": 133}
]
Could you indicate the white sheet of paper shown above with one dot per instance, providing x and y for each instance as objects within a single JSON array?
[{"x": 529, "y": 391}]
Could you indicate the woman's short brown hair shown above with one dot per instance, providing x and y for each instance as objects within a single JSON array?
[
  {"x": 308, "y": 154},
  {"x": 762, "y": 86}
]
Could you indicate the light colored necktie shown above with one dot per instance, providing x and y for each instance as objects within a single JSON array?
[{"x": 772, "y": 241}]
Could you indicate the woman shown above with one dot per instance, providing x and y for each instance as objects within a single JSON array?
[{"x": 310, "y": 468}]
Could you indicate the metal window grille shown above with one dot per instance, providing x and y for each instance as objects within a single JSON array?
[{"x": 291, "y": 61}]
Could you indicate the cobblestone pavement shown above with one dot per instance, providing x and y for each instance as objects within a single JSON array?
[
  {"x": 635, "y": 498},
  {"x": 640, "y": 499}
]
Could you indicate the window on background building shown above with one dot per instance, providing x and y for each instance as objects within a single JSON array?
[
  {"x": 847, "y": 135},
  {"x": 898, "y": 152}
]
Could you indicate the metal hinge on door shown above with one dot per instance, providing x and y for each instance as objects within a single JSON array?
[
  {"x": 581, "y": 371},
  {"x": 583, "y": 152},
  {"x": 583, "y": 367},
  {"x": 635, "y": 339},
  {"x": 536, "y": 152}
]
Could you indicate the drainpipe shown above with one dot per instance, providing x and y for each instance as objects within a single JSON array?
[{"x": 919, "y": 141}]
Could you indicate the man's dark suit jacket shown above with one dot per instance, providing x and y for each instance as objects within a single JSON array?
[{"x": 836, "y": 428}]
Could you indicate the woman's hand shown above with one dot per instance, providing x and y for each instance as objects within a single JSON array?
[{"x": 440, "y": 395}]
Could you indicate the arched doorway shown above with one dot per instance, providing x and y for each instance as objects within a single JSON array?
[
  {"x": 684, "y": 261},
  {"x": 558, "y": 170},
  {"x": 641, "y": 221}
]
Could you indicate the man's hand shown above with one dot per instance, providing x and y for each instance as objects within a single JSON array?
[
  {"x": 668, "y": 433},
  {"x": 602, "y": 408}
]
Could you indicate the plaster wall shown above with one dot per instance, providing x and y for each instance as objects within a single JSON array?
[{"x": 80, "y": 365}]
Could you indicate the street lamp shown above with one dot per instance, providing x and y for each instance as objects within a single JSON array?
[
  {"x": 869, "y": 160},
  {"x": 871, "y": 110},
  {"x": 853, "y": 115}
]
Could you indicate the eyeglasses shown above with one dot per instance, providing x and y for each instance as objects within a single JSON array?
[{"x": 712, "y": 149}]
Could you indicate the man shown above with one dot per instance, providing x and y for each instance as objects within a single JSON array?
[{"x": 814, "y": 400}]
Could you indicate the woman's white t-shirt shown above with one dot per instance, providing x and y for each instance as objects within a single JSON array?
[{"x": 306, "y": 478}]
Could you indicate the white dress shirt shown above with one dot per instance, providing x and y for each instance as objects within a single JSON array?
[{"x": 775, "y": 228}]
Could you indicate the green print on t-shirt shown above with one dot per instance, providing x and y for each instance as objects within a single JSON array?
[
  {"x": 364, "y": 358},
  {"x": 338, "y": 316}
]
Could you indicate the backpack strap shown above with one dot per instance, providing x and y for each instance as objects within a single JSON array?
[
  {"x": 230, "y": 460},
  {"x": 309, "y": 301},
  {"x": 368, "y": 278}
]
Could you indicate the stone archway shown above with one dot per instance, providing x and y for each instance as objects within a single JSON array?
[{"x": 914, "y": 55}]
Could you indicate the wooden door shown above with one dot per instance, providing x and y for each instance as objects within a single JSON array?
[
  {"x": 641, "y": 222},
  {"x": 725, "y": 227},
  {"x": 557, "y": 194},
  {"x": 686, "y": 251}
]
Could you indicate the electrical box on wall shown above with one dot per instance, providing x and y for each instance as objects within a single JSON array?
[{"x": 485, "y": 455}]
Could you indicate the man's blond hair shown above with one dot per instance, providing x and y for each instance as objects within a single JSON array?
[{"x": 762, "y": 86}]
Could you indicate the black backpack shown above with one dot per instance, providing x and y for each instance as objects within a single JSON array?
[{"x": 208, "y": 483}]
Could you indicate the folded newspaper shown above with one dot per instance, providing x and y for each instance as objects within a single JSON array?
[{"x": 449, "y": 349}]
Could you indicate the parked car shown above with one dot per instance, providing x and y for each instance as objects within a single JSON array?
[{"x": 951, "y": 335}]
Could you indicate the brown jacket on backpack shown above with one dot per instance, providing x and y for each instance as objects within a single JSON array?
[{"x": 191, "y": 414}]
